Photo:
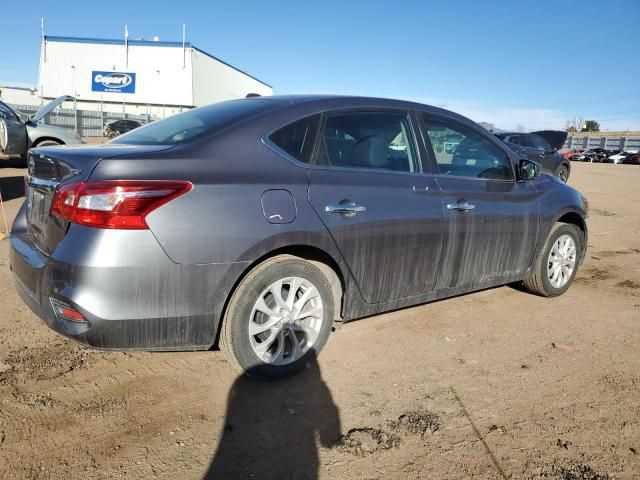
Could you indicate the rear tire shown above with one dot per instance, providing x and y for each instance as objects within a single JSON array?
[
  {"x": 267, "y": 333},
  {"x": 551, "y": 275},
  {"x": 48, "y": 143},
  {"x": 563, "y": 173}
]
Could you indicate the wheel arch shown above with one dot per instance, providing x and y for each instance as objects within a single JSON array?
[
  {"x": 574, "y": 218},
  {"x": 313, "y": 254},
  {"x": 39, "y": 140}
]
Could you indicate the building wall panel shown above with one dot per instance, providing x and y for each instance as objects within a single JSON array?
[
  {"x": 215, "y": 81},
  {"x": 161, "y": 77}
]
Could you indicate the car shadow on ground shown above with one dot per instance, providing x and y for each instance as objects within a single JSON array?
[
  {"x": 11, "y": 188},
  {"x": 271, "y": 428}
]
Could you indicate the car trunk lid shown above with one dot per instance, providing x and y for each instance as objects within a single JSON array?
[
  {"x": 555, "y": 138},
  {"x": 49, "y": 168}
]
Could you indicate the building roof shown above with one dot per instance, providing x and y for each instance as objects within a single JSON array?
[{"x": 149, "y": 43}]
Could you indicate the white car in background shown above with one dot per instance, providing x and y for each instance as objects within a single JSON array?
[{"x": 619, "y": 157}]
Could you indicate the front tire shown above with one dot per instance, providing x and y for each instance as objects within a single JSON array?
[
  {"x": 557, "y": 263},
  {"x": 278, "y": 319}
]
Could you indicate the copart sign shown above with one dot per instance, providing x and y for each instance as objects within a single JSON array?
[{"x": 116, "y": 82}]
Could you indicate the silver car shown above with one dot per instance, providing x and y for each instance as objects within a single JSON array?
[{"x": 19, "y": 132}]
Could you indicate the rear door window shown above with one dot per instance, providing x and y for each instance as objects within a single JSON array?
[
  {"x": 525, "y": 141},
  {"x": 540, "y": 143},
  {"x": 297, "y": 139},
  {"x": 369, "y": 140}
]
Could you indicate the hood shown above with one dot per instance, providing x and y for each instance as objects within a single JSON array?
[
  {"x": 555, "y": 138},
  {"x": 49, "y": 107}
]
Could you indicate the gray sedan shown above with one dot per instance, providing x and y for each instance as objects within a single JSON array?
[{"x": 255, "y": 224}]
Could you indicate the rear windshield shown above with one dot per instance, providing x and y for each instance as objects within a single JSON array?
[{"x": 195, "y": 123}]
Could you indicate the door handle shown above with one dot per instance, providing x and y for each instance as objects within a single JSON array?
[
  {"x": 347, "y": 209},
  {"x": 461, "y": 206}
]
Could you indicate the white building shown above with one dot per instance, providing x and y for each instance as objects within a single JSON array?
[{"x": 139, "y": 76}]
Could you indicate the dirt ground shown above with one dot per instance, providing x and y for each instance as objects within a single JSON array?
[{"x": 495, "y": 384}]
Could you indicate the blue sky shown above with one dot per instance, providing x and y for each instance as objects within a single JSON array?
[{"x": 511, "y": 63}]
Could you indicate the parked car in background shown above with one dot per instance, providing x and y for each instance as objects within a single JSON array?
[
  {"x": 600, "y": 154},
  {"x": 260, "y": 222},
  {"x": 568, "y": 155},
  {"x": 19, "y": 131},
  {"x": 113, "y": 129},
  {"x": 632, "y": 159},
  {"x": 618, "y": 157},
  {"x": 541, "y": 147},
  {"x": 585, "y": 156},
  {"x": 592, "y": 155}
]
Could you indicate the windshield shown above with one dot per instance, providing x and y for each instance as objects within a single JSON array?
[{"x": 195, "y": 123}]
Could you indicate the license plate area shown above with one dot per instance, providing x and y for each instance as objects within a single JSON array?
[{"x": 37, "y": 211}]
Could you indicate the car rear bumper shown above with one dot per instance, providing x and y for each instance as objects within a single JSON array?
[{"x": 131, "y": 300}]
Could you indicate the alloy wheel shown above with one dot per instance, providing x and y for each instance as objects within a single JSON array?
[
  {"x": 562, "y": 261},
  {"x": 285, "y": 321}
]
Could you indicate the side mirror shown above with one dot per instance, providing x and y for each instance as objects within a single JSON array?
[{"x": 529, "y": 170}]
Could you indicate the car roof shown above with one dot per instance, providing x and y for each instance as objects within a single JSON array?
[
  {"x": 508, "y": 134},
  {"x": 344, "y": 99},
  {"x": 320, "y": 102}
]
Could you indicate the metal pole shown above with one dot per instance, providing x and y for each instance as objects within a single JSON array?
[
  {"x": 75, "y": 112},
  {"x": 44, "y": 41},
  {"x": 101, "y": 117},
  {"x": 126, "y": 46},
  {"x": 184, "y": 49}
]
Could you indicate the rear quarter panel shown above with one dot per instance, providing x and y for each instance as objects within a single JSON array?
[{"x": 221, "y": 220}]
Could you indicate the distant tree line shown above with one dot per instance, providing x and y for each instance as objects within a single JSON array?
[{"x": 577, "y": 124}]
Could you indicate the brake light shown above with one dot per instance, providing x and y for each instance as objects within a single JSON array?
[{"x": 119, "y": 204}]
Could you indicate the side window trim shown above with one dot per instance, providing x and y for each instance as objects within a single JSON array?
[
  {"x": 413, "y": 138},
  {"x": 432, "y": 155},
  {"x": 308, "y": 147},
  {"x": 428, "y": 159}
]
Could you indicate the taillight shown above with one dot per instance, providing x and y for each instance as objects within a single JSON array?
[{"x": 122, "y": 204}]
